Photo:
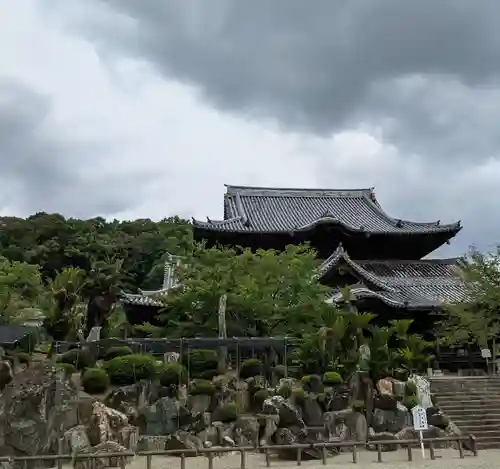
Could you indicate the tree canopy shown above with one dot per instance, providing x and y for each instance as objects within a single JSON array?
[
  {"x": 268, "y": 292},
  {"x": 478, "y": 319},
  {"x": 82, "y": 263}
]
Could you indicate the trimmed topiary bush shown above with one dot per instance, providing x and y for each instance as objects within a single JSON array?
[
  {"x": 358, "y": 406},
  {"x": 201, "y": 387},
  {"x": 410, "y": 388},
  {"x": 260, "y": 396},
  {"x": 285, "y": 391},
  {"x": 68, "y": 369},
  {"x": 209, "y": 375},
  {"x": 229, "y": 412},
  {"x": 298, "y": 396},
  {"x": 312, "y": 383},
  {"x": 321, "y": 398},
  {"x": 250, "y": 368},
  {"x": 95, "y": 381},
  {"x": 119, "y": 351},
  {"x": 410, "y": 402},
  {"x": 200, "y": 361},
  {"x": 130, "y": 368},
  {"x": 173, "y": 374},
  {"x": 80, "y": 358},
  {"x": 279, "y": 371},
  {"x": 332, "y": 378}
]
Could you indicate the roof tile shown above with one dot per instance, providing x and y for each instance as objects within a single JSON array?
[{"x": 256, "y": 210}]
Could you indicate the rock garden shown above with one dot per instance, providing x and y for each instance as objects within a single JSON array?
[{"x": 120, "y": 401}]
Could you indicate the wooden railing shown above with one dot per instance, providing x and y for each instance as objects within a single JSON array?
[{"x": 211, "y": 453}]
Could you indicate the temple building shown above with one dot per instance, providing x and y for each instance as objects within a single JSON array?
[{"x": 379, "y": 257}]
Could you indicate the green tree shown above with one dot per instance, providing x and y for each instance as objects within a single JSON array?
[
  {"x": 476, "y": 320},
  {"x": 112, "y": 255},
  {"x": 268, "y": 292},
  {"x": 21, "y": 291}
]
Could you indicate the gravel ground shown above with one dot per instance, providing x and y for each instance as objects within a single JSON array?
[{"x": 445, "y": 459}]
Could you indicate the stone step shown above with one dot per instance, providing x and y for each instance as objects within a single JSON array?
[
  {"x": 474, "y": 406},
  {"x": 464, "y": 415},
  {"x": 463, "y": 388},
  {"x": 485, "y": 434},
  {"x": 470, "y": 398},
  {"x": 468, "y": 421},
  {"x": 488, "y": 442},
  {"x": 445, "y": 406},
  {"x": 477, "y": 426},
  {"x": 495, "y": 393}
]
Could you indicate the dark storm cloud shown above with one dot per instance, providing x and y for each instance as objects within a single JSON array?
[
  {"x": 322, "y": 65},
  {"x": 43, "y": 171},
  {"x": 424, "y": 75}
]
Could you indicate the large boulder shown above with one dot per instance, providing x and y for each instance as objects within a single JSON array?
[
  {"x": 289, "y": 416},
  {"x": 389, "y": 420},
  {"x": 166, "y": 416},
  {"x": 133, "y": 399},
  {"x": 36, "y": 408}
]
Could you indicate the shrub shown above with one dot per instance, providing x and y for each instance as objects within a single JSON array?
[
  {"x": 312, "y": 383},
  {"x": 120, "y": 351},
  {"x": 68, "y": 368},
  {"x": 332, "y": 378},
  {"x": 410, "y": 388},
  {"x": 401, "y": 374},
  {"x": 229, "y": 412},
  {"x": 439, "y": 420},
  {"x": 209, "y": 374},
  {"x": 250, "y": 368},
  {"x": 410, "y": 402},
  {"x": 173, "y": 374},
  {"x": 260, "y": 396},
  {"x": 201, "y": 361},
  {"x": 321, "y": 398},
  {"x": 95, "y": 381},
  {"x": 80, "y": 358},
  {"x": 358, "y": 406},
  {"x": 201, "y": 387},
  {"x": 285, "y": 391},
  {"x": 298, "y": 396},
  {"x": 279, "y": 371},
  {"x": 130, "y": 368},
  {"x": 434, "y": 400}
]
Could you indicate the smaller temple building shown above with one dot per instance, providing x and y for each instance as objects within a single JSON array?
[{"x": 144, "y": 306}]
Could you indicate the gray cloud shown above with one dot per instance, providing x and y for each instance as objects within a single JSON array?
[
  {"x": 318, "y": 66},
  {"x": 424, "y": 75},
  {"x": 44, "y": 171}
]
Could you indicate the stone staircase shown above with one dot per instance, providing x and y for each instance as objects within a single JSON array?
[{"x": 473, "y": 404}]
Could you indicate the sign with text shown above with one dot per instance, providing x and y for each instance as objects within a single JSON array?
[
  {"x": 419, "y": 418},
  {"x": 486, "y": 353}
]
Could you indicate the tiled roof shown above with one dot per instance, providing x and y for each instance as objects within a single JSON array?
[
  {"x": 267, "y": 210},
  {"x": 150, "y": 297},
  {"x": 422, "y": 283}
]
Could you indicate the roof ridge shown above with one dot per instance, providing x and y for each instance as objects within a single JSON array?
[
  {"x": 438, "y": 261},
  {"x": 341, "y": 253},
  {"x": 296, "y": 191}
]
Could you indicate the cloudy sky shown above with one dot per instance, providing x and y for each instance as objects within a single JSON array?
[{"x": 128, "y": 108}]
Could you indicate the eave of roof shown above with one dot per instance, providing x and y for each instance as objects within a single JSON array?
[
  {"x": 285, "y": 210},
  {"x": 416, "y": 284}
]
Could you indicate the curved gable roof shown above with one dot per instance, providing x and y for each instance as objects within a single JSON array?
[{"x": 285, "y": 210}]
